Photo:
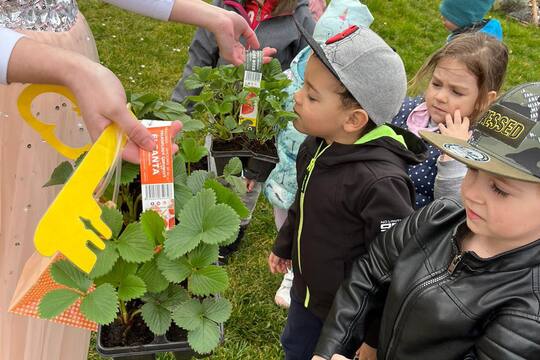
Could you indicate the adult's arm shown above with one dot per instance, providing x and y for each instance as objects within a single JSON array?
[{"x": 227, "y": 26}]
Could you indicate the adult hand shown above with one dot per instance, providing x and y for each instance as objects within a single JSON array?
[
  {"x": 228, "y": 32},
  {"x": 102, "y": 100},
  {"x": 277, "y": 264}
]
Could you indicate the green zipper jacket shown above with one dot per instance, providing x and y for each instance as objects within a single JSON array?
[{"x": 347, "y": 194}]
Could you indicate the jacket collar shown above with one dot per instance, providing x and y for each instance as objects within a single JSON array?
[{"x": 523, "y": 257}]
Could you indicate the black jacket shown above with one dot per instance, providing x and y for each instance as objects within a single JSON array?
[
  {"x": 440, "y": 303},
  {"x": 354, "y": 192}
]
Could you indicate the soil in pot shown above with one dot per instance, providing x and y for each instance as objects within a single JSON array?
[
  {"x": 268, "y": 148},
  {"x": 117, "y": 334},
  {"x": 235, "y": 144},
  {"x": 200, "y": 165}
]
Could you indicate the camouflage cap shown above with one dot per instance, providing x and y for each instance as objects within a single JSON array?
[{"x": 506, "y": 139}]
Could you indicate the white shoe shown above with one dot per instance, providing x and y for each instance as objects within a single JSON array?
[{"x": 283, "y": 294}]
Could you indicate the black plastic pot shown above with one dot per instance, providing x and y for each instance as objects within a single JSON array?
[
  {"x": 163, "y": 343},
  {"x": 222, "y": 157},
  {"x": 259, "y": 166}
]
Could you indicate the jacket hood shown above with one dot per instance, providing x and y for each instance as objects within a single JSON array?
[{"x": 380, "y": 149}]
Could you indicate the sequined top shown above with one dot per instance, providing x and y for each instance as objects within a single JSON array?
[{"x": 39, "y": 15}]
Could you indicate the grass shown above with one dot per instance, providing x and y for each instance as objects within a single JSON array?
[{"x": 148, "y": 56}]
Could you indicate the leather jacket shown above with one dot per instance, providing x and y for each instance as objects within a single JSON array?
[{"x": 439, "y": 303}]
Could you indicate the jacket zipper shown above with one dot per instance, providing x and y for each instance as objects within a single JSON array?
[
  {"x": 419, "y": 288},
  {"x": 305, "y": 182}
]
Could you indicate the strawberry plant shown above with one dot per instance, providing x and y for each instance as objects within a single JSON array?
[{"x": 150, "y": 274}]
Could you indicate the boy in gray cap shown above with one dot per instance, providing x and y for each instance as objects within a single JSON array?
[{"x": 352, "y": 177}]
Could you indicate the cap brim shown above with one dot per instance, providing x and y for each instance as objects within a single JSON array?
[
  {"x": 314, "y": 45},
  {"x": 474, "y": 157}
]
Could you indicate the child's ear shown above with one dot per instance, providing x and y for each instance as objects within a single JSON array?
[
  {"x": 488, "y": 100},
  {"x": 357, "y": 119}
]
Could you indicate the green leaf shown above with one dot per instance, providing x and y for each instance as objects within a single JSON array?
[
  {"x": 101, "y": 305},
  {"x": 205, "y": 338},
  {"x": 192, "y": 151},
  {"x": 153, "y": 225},
  {"x": 182, "y": 194},
  {"x": 119, "y": 271},
  {"x": 171, "y": 297},
  {"x": 230, "y": 123},
  {"x": 61, "y": 174},
  {"x": 225, "y": 107},
  {"x": 67, "y": 274},
  {"x": 105, "y": 260},
  {"x": 192, "y": 84},
  {"x": 129, "y": 172},
  {"x": 228, "y": 197},
  {"x": 133, "y": 245},
  {"x": 174, "y": 296},
  {"x": 217, "y": 309},
  {"x": 219, "y": 223},
  {"x": 233, "y": 167},
  {"x": 56, "y": 302},
  {"x": 237, "y": 184},
  {"x": 196, "y": 180},
  {"x": 179, "y": 170},
  {"x": 174, "y": 270},
  {"x": 189, "y": 125},
  {"x": 201, "y": 220},
  {"x": 157, "y": 317},
  {"x": 203, "y": 255},
  {"x": 152, "y": 276},
  {"x": 189, "y": 315},
  {"x": 131, "y": 287},
  {"x": 113, "y": 218},
  {"x": 208, "y": 280}
]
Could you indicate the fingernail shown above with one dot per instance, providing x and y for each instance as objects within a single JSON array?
[{"x": 149, "y": 144}]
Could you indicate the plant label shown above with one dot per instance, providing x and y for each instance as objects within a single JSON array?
[
  {"x": 157, "y": 181},
  {"x": 252, "y": 79}
]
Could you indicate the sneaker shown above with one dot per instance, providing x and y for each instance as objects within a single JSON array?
[{"x": 283, "y": 294}]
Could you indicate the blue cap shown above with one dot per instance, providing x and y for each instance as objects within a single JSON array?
[{"x": 465, "y": 12}]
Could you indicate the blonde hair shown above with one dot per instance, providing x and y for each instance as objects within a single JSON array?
[
  {"x": 285, "y": 7},
  {"x": 483, "y": 55}
]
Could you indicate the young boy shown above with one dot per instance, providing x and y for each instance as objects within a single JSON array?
[
  {"x": 351, "y": 173},
  {"x": 459, "y": 282},
  {"x": 461, "y": 16}
]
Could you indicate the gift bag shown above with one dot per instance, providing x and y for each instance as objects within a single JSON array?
[{"x": 34, "y": 283}]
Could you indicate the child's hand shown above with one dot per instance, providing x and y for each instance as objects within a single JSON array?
[
  {"x": 250, "y": 184},
  {"x": 455, "y": 127},
  {"x": 278, "y": 264},
  {"x": 366, "y": 352}
]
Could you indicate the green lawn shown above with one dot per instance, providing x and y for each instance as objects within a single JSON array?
[{"x": 148, "y": 56}]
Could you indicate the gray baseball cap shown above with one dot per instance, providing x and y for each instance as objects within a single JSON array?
[
  {"x": 506, "y": 139},
  {"x": 368, "y": 68}
]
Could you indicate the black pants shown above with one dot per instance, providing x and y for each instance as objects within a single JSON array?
[{"x": 301, "y": 332}]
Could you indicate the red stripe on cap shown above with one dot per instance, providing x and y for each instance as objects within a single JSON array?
[{"x": 342, "y": 35}]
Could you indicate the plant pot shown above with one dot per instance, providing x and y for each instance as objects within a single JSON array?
[
  {"x": 175, "y": 341},
  {"x": 222, "y": 157},
  {"x": 259, "y": 166}
]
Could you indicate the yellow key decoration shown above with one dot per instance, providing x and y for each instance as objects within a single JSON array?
[
  {"x": 61, "y": 228},
  {"x": 46, "y": 131}
]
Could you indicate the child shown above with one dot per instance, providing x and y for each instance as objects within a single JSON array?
[
  {"x": 351, "y": 169},
  {"x": 460, "y": 16},
  {"x": 458, "y": 282},
  {"x": 465, "y": 76},
  {"x": 280, "y": 187},
  {"x": 273, "y": 23}
]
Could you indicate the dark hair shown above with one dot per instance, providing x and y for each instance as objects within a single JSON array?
[
  {"x": 348, "y": 101},
  {"x": 285, "y": 7},
  {"x": 483, "y": 55}
]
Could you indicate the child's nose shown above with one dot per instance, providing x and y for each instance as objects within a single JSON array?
[{"x": 441, "y": 96}]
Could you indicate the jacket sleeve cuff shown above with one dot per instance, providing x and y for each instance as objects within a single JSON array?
[
  {"x": 7, "y": 44},
  {"x": 450, "y": 169},
  {"x": 157, "y": 9},
  {"x": 327, "y": 348}
]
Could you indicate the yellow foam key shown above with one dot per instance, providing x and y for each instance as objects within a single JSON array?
[
  {"x": 61, "y": 228},
  {"x": 24, "y": 103}
]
